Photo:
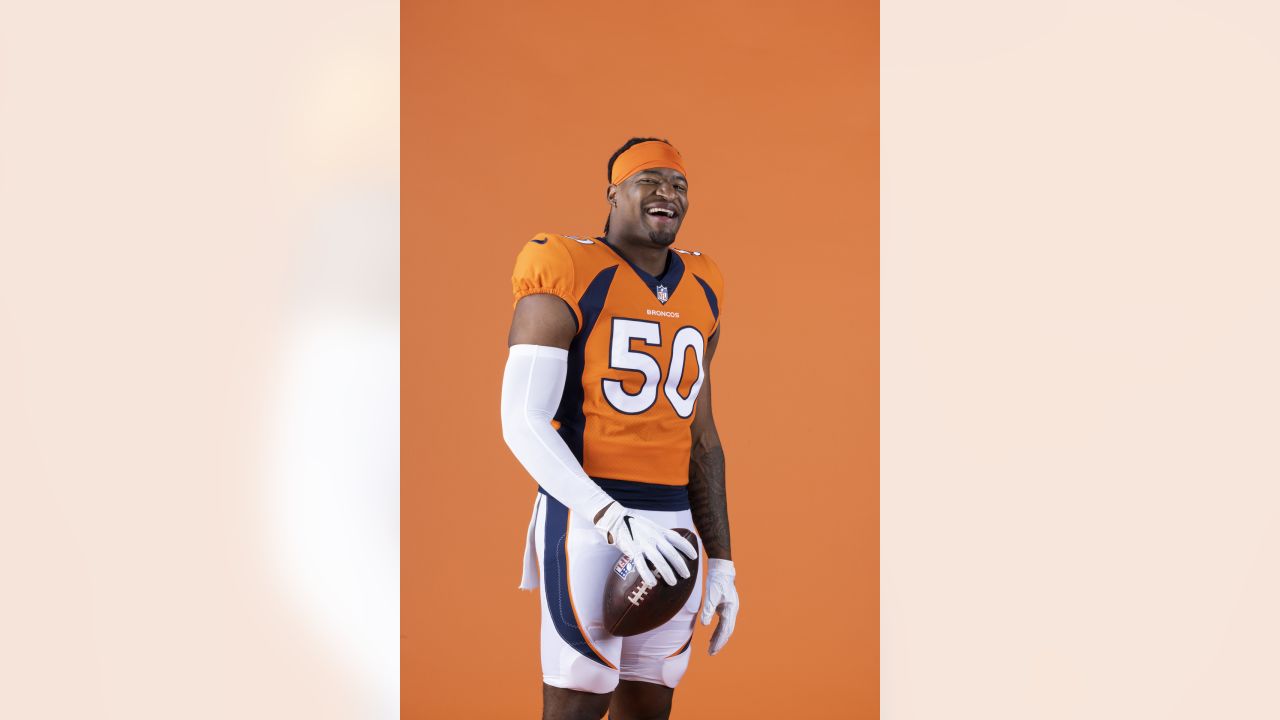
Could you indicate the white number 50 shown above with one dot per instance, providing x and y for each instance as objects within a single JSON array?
[{"x": 622, "y": 357}]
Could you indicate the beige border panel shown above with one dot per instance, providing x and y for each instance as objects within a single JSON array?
[
  {"x": 198, "y": 360},
  {"x": 1081, "y": 395}
]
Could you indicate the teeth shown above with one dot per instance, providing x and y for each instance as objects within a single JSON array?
[{"x": 668, "y": 213}]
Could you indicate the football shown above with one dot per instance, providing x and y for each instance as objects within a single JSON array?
[{"x": 632, "y": 606}]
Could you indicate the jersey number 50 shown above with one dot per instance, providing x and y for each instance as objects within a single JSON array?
[{"x": 622, "y": 357}]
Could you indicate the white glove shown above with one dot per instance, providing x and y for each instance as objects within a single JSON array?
[
  {"x": 643, "y": 539},
  {"x": 722, "y": 598}
]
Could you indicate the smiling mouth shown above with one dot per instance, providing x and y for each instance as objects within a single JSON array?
[{"x": 661, "y": 213}]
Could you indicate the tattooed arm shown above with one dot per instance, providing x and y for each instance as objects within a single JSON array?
[{"x": 706, "y": 471}]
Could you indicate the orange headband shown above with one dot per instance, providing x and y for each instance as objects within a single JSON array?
[{"x": 646, "y": 156}]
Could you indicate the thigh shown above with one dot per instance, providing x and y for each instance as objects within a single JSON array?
[
  {"x": 562, "y": 704},
  {"x": 577, "y": 652},
  {"x": 634, "y": 700}
]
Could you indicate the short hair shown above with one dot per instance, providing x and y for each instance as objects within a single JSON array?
[{"x": 614, "y": 157}]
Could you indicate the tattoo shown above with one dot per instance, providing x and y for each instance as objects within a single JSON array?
[{"x": 707, "y": 498}]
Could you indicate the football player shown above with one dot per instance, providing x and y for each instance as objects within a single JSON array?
[{"x": 606, "y": 401}]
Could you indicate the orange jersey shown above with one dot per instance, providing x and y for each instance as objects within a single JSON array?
[{"x": 637, "y": 362}]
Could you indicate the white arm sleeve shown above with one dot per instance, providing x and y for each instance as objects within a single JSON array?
[{"x": 531, "y": 388}]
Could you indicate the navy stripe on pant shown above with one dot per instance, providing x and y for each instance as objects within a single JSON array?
[{"x": 555, "y": 564}]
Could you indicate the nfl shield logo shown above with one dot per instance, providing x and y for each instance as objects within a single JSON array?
[
  {"x": 624, "y": 566},
  {"x": 662, "y": 294}
]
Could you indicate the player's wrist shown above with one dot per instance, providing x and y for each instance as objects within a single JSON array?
[
  {"x": 720, "y": 566},
  {"x": 608, "y": 518}
]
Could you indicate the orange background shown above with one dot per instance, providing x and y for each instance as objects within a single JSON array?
[{"x": 510, "y": 113}]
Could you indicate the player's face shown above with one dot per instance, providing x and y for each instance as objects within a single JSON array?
[{"x": 651, "y": 204}]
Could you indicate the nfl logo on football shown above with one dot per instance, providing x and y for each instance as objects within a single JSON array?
[
  {"x": 623, "y": 566},
  {"x": 662, "y": 294}
]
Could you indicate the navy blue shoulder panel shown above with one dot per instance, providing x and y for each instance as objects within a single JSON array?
[
  {"x": 711, "y": 297},
  {"x": 570, "y": 416}
]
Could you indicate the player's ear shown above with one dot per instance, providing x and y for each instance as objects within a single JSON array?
[{"x": 609, "y": 194}]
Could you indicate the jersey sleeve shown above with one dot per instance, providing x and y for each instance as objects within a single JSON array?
[{"x": 544, "y": 266}]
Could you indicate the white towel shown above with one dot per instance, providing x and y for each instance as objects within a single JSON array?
[{"x": 529, "y": 580}]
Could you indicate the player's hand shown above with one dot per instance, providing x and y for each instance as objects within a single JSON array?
[
  {"x": 722, "y": 598},
  {"x": 645, "y": 540}
]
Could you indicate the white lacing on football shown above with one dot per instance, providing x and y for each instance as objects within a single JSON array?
[{"x": 638, "y": 594}]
